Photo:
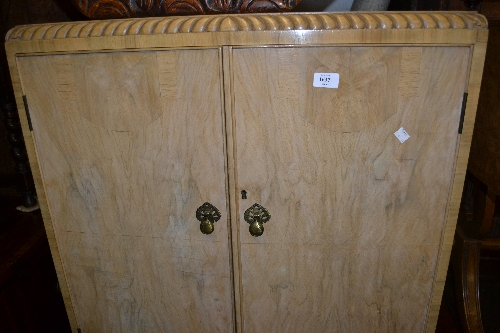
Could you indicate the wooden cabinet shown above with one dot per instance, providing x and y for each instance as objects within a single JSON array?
[
  {"x": 356, "y": 215},
  {"x": 134, "y": 124},
  {"x": 132, "y": 144}
]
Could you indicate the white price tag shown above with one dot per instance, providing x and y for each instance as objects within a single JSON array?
[
  {"x": 326, "y": 80},
  {"x": 401, "y": 135}
]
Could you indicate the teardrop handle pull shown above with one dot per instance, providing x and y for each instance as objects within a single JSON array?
[
  {"x": 256, "y": 216},
  {"x": 207, "y": 214}
]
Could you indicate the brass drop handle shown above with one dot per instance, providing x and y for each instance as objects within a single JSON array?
[
  {"x": 207, "y": 214},
  {"x": 256, "y": 216}
]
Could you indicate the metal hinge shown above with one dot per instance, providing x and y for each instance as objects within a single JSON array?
[
  {"x": 26, "y": 108},
  {"x": 462, "y": 114}
]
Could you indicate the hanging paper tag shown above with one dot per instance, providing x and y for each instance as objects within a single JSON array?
[
  {"x": 326, "y": 80},
  {"x": 401, "y": 135}
]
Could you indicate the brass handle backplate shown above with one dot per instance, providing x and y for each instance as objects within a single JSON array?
[
  {"x": 256, "y": 216},
  {"x": 207, "y": 214}
]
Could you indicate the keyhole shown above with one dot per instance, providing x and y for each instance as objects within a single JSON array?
[{"x": 243, "y": 194}]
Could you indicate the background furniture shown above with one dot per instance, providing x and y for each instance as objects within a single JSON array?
[
  {"x": 178, "y": 112},
  {"x": 16, "y": 183},
  {"x": 478, "y": 229},
  {"x": 324, "y": 6},
  {"x": 107, "y": 9},
  {"x": 30, "y": 300}
]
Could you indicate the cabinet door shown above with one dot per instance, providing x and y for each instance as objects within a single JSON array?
[
  {"x": 130, "y": 144},
  {"x": 356, "y": 215}
]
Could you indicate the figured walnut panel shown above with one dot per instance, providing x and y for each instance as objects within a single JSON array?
[
  {"x": 357, "y": 216},
  {"x": 123, "y": 194},
  {"x": 107, "y": 9},
  {"x": 263, "y": 22},
  {"x": 351, "y": 107}
]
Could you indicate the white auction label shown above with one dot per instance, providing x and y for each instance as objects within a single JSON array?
[
  {"x": 401, "y": 135},
  {"x": 326, "y": 80}
]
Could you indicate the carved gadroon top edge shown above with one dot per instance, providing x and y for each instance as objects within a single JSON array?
[{"x": 252, "y": 22}]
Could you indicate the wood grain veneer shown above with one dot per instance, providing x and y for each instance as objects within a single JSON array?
[
  {"x": 357, "y": 216},
  {"x": 125, "y": 249},
  {"x": 137, "y": 122}
]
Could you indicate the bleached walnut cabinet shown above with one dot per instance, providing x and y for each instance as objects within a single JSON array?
[{"x": 133, "y": 125}]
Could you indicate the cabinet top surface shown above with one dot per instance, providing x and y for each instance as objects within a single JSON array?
[{"x": 252, "y": 23}]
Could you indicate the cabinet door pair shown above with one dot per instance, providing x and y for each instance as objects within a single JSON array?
[{"x": 130, "y": 144}]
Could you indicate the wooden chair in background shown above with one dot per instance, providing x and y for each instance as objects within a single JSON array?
[{"x": 478, "y": 228}]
